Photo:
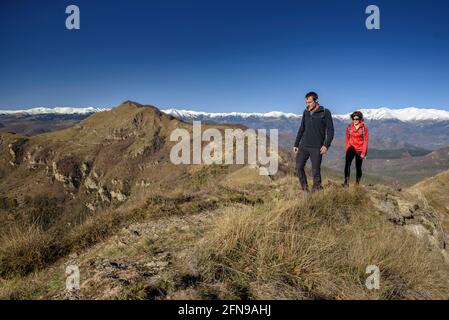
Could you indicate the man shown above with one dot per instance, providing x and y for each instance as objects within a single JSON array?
[{"x": 314, "y": 138}]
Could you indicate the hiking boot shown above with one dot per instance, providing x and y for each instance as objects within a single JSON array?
[
  {"x": 315, "y": 189},
  {"x": 345, "y": 184}
]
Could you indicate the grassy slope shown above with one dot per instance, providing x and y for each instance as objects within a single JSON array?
[
  {"x": 436, "y": 190},
  {"x": 271, "y": 245},
  {"x": 318, "y": 248}
]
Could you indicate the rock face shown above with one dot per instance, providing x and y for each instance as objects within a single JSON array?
[
  {"x": 118, "y": 196},
  {"x": 410, "y": 210},
  {"x": 16, "y": 151},
  {"x": 91, "y": 184}
]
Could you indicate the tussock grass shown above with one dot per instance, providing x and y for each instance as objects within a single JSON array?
[
  {"x": 26, "y": 248},
  {"x": 44, "y": 237},
  {"x": 22, "y": 249},
  {"x": 318, "y": 248}
]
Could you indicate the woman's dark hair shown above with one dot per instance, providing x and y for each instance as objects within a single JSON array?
[
  {"x": 358, "y": 114},
  {"x": 312, "y": 94}
]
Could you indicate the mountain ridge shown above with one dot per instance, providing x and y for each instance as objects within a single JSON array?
[
  {"x": 404, "y": 114},
  {"x": 411, "y": 114}
]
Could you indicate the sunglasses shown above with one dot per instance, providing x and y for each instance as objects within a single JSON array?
[{"x": 356, "y": 118}]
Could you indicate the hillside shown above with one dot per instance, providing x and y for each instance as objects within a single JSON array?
[
  {"x": 270, "y": 245},
  {"x": 103, "y": 195},
  {"x": 409, "y": 169},
  {"x": 436, "y": 191},
  {"x": 276, "y": 247},
  {"x": 66, "y": 190}
]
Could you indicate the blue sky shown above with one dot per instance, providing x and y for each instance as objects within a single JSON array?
[{"x": 220, "y": 56}]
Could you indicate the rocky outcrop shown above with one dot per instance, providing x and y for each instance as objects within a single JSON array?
[
  {"x": 119, "y": 196},
  {"x": 91, "y": 184},
  {"x": 410, "y": 210},
  {"x": 34, "y": 158},
  {"x": 16, "y": 150},
  {"x": 118, "y": 191},
  {"x": 70, "y": 171}
]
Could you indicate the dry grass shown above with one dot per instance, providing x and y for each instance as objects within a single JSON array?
[
  {"x": 436, "y": 190},
  {"x": 318, "y": 248},
  {"x": 33, "y": 243},
  {"x": 27, "y": 248},
  {"x": 22, "y": 249},
  {"x": 268, "y": 244}
]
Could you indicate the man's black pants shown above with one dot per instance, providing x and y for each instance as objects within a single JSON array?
[
  {"x": 301, "y": 158},
  {"x": 350, "y": 154}
]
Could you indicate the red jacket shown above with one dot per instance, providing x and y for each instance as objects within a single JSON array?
[{"x": 357, "y": 138}]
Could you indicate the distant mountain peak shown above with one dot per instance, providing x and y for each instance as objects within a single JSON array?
[
  {"x": 137, "y": 104},
  {"x": 129, "y": 103}
]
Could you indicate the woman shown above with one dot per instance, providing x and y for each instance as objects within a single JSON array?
[{"x": 356, "y": 146}]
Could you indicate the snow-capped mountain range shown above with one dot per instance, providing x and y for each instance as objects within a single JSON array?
[
  {"x": 57, "y": 110},
  {"x": 404, "y": 115}
]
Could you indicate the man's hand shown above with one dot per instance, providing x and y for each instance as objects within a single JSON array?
[
  {"x": 295, "y": 149},
  {"x": 323, "y": 150}
]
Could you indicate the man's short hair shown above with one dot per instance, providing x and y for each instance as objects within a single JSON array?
[{"x": 312, "y": 94}]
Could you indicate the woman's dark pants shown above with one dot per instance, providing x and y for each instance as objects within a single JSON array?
[{"x": 350, "y": 155}]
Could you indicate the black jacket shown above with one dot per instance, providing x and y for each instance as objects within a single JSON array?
[{"x": 316, "y": 130}]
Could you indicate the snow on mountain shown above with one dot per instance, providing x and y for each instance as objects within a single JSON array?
[
  {"x": 404, "y": 115},
  {"x": 189, "y": 114},
  {"x": 58, "y": 110}
]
